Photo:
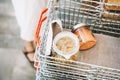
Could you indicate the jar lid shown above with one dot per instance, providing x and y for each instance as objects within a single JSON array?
[{"x": 79, "y": 25}]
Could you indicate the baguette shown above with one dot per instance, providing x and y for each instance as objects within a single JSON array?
[
  {"x": 88, "y": 2},
  {"x": 89, "y": 6}
]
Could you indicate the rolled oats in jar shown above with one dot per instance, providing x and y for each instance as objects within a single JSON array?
[{"x": 66, "y": 44}]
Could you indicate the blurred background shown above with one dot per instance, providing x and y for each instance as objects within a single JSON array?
[{"x": 13, "y": 64}]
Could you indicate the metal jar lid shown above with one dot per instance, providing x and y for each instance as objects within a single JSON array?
[{"x": 78, "y": 26}]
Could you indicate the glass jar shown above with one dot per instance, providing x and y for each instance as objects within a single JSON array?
[
  {"x": 66, "y": 44},
  {"x": 86, "y": 38}
]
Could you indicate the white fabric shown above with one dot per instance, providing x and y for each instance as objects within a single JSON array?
[{"x": 27, "y": 14}]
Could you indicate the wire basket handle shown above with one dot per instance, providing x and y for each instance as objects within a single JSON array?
[{"x": 41, "y": 20}]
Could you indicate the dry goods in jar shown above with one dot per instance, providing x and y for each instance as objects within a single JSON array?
[{"x": 66, "y": 44}]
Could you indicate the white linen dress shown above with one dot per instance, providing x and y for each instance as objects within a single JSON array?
[{"x": 27, "y": 14}]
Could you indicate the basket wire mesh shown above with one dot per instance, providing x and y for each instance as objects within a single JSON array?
[{"x": 72, "y": 12}]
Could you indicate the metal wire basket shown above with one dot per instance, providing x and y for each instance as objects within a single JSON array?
[{"x": 72, "y": 12}]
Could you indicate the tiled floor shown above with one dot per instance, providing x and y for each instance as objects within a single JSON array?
[{"x": 13, "y": 64}]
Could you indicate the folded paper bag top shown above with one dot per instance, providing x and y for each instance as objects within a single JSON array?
[{"x": 55, "y": 27}]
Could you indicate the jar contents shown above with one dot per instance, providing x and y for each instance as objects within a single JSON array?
[
  {"x": 65, "y": 44},
  {"x": 86, "y": 38}
]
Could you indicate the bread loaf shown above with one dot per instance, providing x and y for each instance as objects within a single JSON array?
[
  {"x": 108, "y": 15},
  {"x": 112, "y": 5},
  {"x": 111, "y": 9}
]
